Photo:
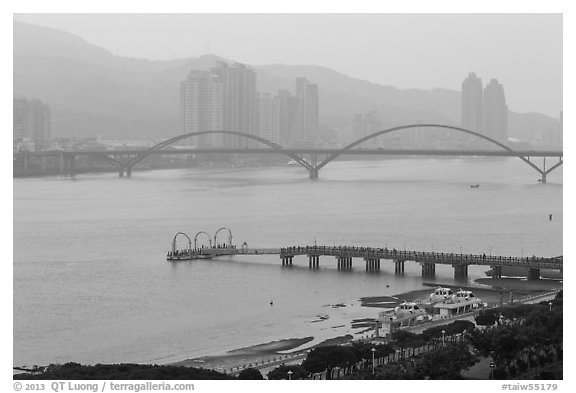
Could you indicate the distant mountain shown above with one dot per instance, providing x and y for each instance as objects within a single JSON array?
[
  {"x": 435, "y": 104},
  {"x": 94, "y": 92},
  {"x": 32, "y": 40}
]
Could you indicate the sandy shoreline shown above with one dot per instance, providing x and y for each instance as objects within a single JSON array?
[
  {"x": 492, "y": 291},
  {"x": 246, "y": 355}
]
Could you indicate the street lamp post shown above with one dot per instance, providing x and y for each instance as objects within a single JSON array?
[
  {"x": 550, "y": 305},
  {"x": 289, "y": 374},
  {"x": 373, "y": 360},
  {"x": 443, "y": 337}
]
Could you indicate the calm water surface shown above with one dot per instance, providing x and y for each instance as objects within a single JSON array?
[{"x": 91, "y": 283}]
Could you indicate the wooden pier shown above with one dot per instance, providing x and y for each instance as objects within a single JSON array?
[{"x": 372, "y": 256}]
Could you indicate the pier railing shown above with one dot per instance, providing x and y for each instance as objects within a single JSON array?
[
  {"x": 422, "y": 256},
  {"x": 374, "y": 253}
]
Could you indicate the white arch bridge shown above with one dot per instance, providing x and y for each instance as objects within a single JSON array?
[{"x": 125, "y": 160}]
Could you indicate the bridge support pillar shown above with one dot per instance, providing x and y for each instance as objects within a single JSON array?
[
  {"x": 428, "y": 270},
  {"x": 398, "y": 267},
  {"x": 313, "y": 173},
  {"x": 496, "y": 271},
  {"x": 62, "y": 164},
  {"x": 129, "y": 171},
  {"x": 313, "y": 261},
  {"x": 460, "y": 272},
  {"x": 71, "y": 165},
  {"x": 121, "y": 172},
  {"x": 533, "y": 274},
  {"x": 287, "y": 260},
  {"x": 543, "y": 180}
]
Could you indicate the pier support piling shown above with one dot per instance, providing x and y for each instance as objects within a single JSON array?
[
  {"x": 313, "y": 261},
  {"x": 460, "y": 272},
  {"x": 398, "y": 267},
  {"x": 533, "y": 274},
  {"x": 372, "y": 264},
  {"x": 344, "y": 263},
  {"x": 428, "y": 270},
  {"x": 496, "y": 271}
]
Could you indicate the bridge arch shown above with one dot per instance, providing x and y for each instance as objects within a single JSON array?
[
  {"x": 229, "y": 236},
  {"x": 170, "y": 141},
  {"x": 196, "y": 239},
  {"x": 333, "y": 156},
  {"x": 176, "y": 237}
]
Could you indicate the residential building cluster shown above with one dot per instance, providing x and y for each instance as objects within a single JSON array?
[
  {"x": 225, "y": 99},
  {"x": 484, "y": 109},
  {"x": 32, "y": 125}
]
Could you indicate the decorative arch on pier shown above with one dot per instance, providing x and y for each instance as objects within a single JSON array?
[
  {"x": 170, "y": 141},
  {"x": 176, "y": 237},
  {"x": 229, "y": 236},
  {"x": 349, "y": 147},
  {"x": 196, "y": 239}
]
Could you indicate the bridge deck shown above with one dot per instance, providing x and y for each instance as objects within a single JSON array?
[
  {"x": 424, "y": 257},
  {"x": 421, "y": 257}
]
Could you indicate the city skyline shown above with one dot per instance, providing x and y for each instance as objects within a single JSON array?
[
  {"x": 484, "y": 108},
  {"x": 417, "y": 58}
]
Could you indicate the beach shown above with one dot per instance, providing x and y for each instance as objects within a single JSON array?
[{"x": 345, "y": 322}]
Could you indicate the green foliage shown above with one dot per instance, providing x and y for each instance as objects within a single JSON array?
[
  {"x": 519, "y": 310},
  {"x": 446, "y": 362},
  {"x": 123, "y": 371},
  {"x": 251, "y": 374},
  {"x": 536, "y": 341},
  {"x": 298, "y": 372},
  {"x": 487, "y": 317},
  {"x": 328, "y": 357},
  {"x": 395, "y": 371},
  {"x": 455, "y": 327},
  {"x": 364, "y": 350},
  {"x": 403, "y": 338}
]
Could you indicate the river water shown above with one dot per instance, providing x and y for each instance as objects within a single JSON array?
[{"x": 91, "y": 283}]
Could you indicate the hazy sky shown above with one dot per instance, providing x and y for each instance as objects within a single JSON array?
[{"x": 522, "y": 51}]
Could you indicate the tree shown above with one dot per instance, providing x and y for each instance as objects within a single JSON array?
[
  {"x": 446, "y": 362},
  {"x": 123, "y": 371},
  {"x": 298, "y": 372},
  {"x": 250, "y": 373},
  {"x": 328, "y": 357},
  {"x": 487, "y": 317},
  {"x": 407, "y": 339},
  {"x": 364, "y": 350}
]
